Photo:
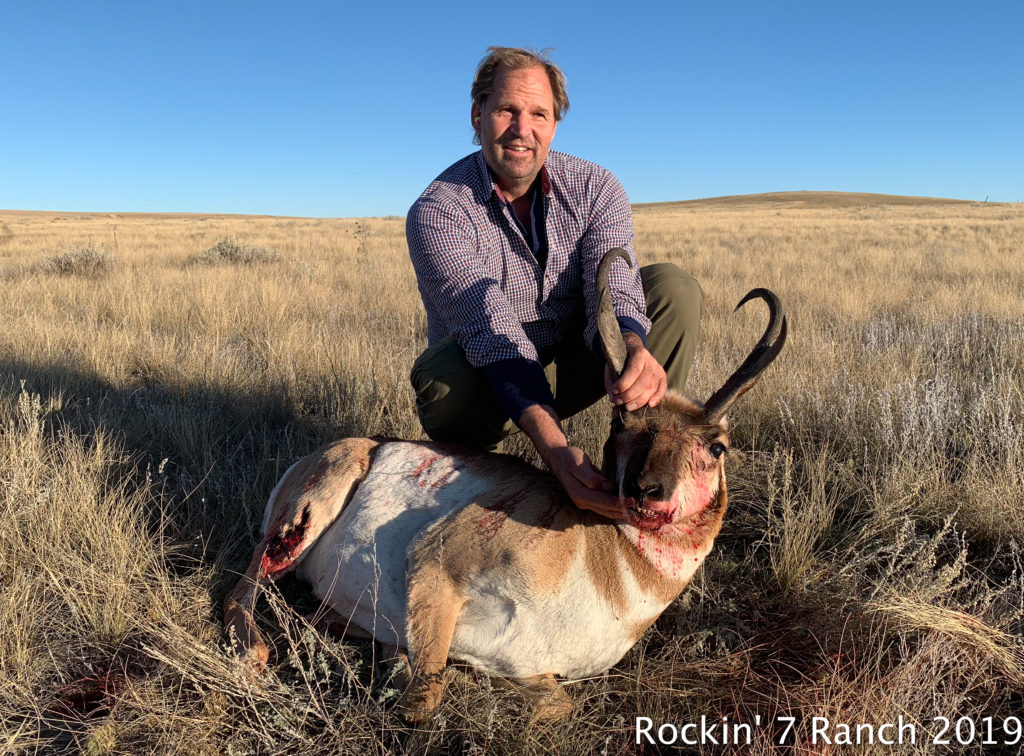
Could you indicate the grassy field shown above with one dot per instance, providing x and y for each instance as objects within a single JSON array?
[{"x": 158, "y": 373}]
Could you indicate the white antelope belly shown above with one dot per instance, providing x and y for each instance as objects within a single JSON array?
[
  {"x": 517, "y": 633},
  {"x": 358, "y": 565}
]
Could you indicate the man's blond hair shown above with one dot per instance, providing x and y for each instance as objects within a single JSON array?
[{"x": 514, "y": 58}]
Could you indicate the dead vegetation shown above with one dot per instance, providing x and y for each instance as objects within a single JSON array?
[
  {"x": 79, "y": 261},
  {"x": 229, "y": 251},
  {"x": 146, "y": 414}
]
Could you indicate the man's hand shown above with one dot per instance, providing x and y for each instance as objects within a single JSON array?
[
  {"x": 642, "y": 383},
  {"x": 582, "y": 481},
  {"x": 585, "y": 484}
]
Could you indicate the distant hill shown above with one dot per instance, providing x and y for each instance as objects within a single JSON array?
[
  {"x": 71, "y": 215},
  {"x": 776, "y": 200},
  {"x": 805, "y": 200}
]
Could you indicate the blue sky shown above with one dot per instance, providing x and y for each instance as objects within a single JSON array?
[{"x": 341, "y": 110}]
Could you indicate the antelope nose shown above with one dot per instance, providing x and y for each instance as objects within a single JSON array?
[{"x": 652, "y": 491}]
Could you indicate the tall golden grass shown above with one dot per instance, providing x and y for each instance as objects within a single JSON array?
[{"x": 152, "y": 391}]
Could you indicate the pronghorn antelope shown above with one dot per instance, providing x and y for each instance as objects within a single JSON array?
[{"x": 482, "y": 558}]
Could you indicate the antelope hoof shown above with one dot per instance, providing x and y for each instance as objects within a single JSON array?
[
  {"x": 547, "y": 699},
  {"x": 419, "y": 702},
  {"x": 398, "y": 670},
  {"x": 252, "y": 652},
  {"x": 252, "y": 659},
  {"x": 552, "y": 706},
  {"x": 256, "y": 658}
]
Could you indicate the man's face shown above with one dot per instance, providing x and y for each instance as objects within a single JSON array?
[{"x": 516, "y": 125}]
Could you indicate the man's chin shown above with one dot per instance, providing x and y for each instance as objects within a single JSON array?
[{"x": 515, "y": 170}]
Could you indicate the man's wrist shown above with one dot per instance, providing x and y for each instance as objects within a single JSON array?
[
  {"x": 519, "y": 383},
  {"x": 540, "y": 423},
  {"x": 632, "y": 340}
]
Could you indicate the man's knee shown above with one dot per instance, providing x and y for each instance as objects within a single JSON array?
[
  {"x": 674, "y": 298},
  {"x": 454, "y": 400},
  {"x": 675, "y": 303}
]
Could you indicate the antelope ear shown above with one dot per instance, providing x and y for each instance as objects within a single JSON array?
[{"x": 724, "y": 422}]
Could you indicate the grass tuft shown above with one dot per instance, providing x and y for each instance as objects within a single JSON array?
[
  {"x": 86, "y": 261},
  {"x": 229, "y": 251}
]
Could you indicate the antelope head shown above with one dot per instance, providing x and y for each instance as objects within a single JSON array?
[{"x": 669, "y": 461}]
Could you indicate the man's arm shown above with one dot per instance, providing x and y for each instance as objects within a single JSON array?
[
  {"x": 457, "y": 288},
  {"x": 455, "y": 285},
  {"x": 582, "y": 481}
]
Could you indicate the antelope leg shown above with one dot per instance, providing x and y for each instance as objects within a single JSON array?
[
  {"x": 239, "y": 625},
  {"x": 305, "y": 502},
  {"x": 546, "y": 697},
  {"x": 434, "y": 607}
]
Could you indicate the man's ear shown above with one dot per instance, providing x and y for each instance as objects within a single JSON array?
[{"x": 474, "y": 118}]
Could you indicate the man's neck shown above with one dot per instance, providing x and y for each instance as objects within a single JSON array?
[
  {"x": 517, "y": 191},
  {"x": 523, "y": 208}
]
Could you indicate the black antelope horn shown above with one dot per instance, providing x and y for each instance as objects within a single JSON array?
[
  {"x": 766, "y": 350},
  {"x": 607, "y": 325}
]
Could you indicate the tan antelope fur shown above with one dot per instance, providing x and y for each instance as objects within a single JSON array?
[{"x": 482, "y": 558}]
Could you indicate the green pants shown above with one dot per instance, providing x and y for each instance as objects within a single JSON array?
[{"x": 455, "y": 400}]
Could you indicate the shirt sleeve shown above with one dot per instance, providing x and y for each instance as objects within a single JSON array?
[
  {"x": 611, "y": 225},
  {"x": 457, "y": 286}
]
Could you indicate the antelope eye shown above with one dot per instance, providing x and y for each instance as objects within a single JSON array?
[{"x": 717, "y": 449}]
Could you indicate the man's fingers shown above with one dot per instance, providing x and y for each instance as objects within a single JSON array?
[
  {"x": 659, "y": 393},
  {"x": 639, "y": 393},
  {"x": 591, "y": 494},
  {"x": 611, "y": 512},
  {"x": 586, "y": 485},
  {"x": 588, "y": 477},
  {"x": 604, "y": 504},
  {"x": 647, "y": 388},
  {"x": 634, "y": 369}
]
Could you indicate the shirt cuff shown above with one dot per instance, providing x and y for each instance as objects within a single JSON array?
[
  {"x": 626, "y": 323},
  {"x": 519, "y": 383}
]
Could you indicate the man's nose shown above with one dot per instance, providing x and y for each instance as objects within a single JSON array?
[{"x": 519, "y": 124}]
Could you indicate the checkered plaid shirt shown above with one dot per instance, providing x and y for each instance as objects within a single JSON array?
[{"x": 481, "y": 282}]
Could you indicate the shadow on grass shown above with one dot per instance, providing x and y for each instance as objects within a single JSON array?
[{"x": 210, "y": 456}]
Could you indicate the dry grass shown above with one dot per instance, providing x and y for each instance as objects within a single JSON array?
[{"x": 869, "y": 567}]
